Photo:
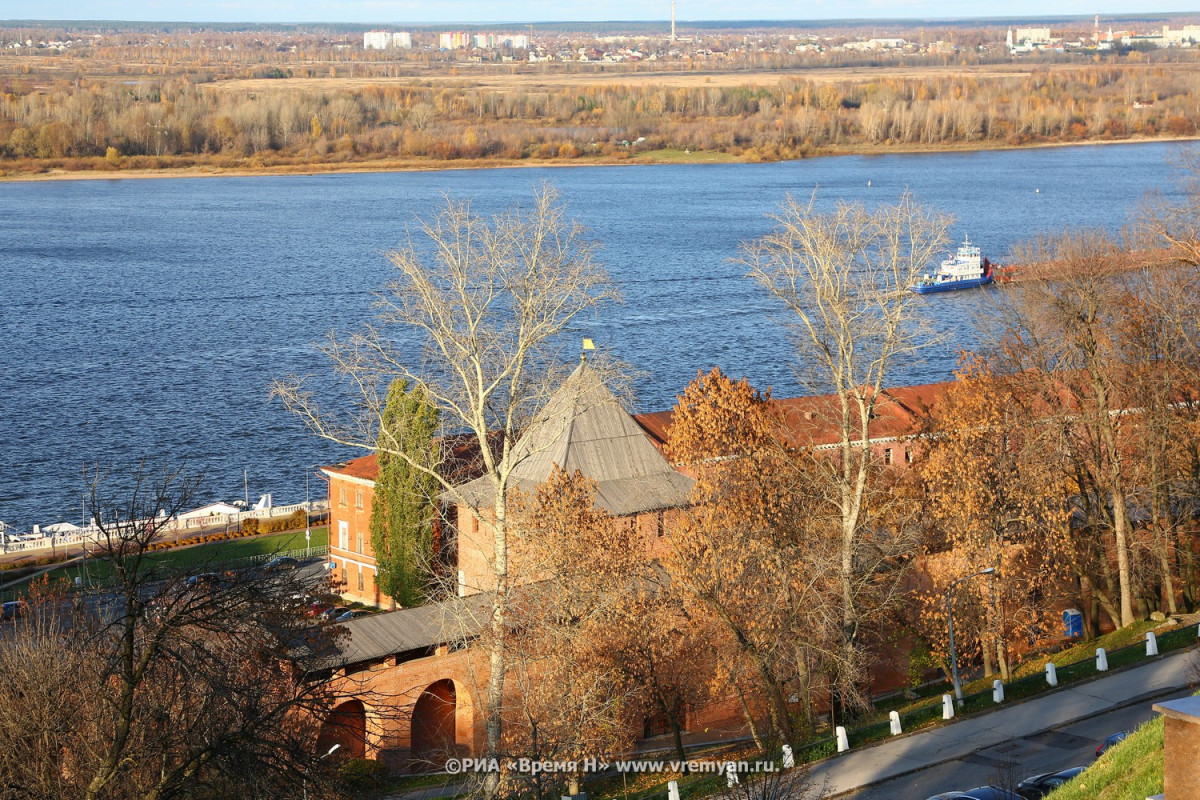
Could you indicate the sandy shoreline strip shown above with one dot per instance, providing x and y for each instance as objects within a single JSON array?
[{"x": 647, "y": 158}]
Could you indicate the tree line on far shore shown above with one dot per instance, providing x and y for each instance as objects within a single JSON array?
[{"x": 178, "y": 121}]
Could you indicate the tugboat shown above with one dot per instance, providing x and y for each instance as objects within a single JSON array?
[{"x": 966, "y": 270}]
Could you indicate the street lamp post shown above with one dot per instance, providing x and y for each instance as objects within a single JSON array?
[
  {"x": 304, "y": 780},
  {"x": 307, "y": 512},
  {"x": 958, "y": 695}
]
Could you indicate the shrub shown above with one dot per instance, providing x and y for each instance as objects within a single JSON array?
[
  {"x": 250, "y": 526},
  {"x": 360, "y": 774}
]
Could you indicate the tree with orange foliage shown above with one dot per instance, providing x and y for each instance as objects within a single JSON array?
[
  {"x": 740, "y": 556},
  {"x": 1060, "y": 352},
  {"x": 575, "y": 565},
  {"x": 603, "y": 637},
  {"x": 994, "y": 500}
]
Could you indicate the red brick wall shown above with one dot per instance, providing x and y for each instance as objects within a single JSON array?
[{"x": 390, "y": 693}]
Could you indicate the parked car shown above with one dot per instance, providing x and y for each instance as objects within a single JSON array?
[
  {"x": 353, "y": 613},
  {"x": 333, "y": 612},
  {"x": 281, "y": 563},
  {"x": 204, "y": 579},
  {"x": 13, "y": 609},
  {"x": 1042, "y": 785},
  {"x": 979, "y": 793},
  {"x": 1109, "y": 741},
  {"x": 317, "y": 608}
]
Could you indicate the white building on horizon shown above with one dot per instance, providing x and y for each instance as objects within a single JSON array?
[
  {"x": 382, "y": 40},
  {"x": 492, "y": 41}
]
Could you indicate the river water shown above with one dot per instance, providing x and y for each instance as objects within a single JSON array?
[{"x": 147, "y": 318}]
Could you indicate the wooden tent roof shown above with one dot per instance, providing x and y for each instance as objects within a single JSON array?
[{"x": 584, "y": 427}]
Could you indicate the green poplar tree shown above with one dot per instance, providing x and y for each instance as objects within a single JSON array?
[{"x": 402, "y": 511}]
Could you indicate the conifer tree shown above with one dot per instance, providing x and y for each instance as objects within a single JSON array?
[{"x": 403, "y": 508}]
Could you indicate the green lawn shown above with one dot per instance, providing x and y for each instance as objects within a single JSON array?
[{"x": 201, "y": 557}]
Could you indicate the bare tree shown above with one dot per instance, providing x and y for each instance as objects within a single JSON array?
[
  {"x": 1176, "y": 225},
  {"x": 1059, "y": 343},
  {"x": 487, "y": 311},
  {"x": 845, "y": 277},
  {"x": 156, "y": 687}
]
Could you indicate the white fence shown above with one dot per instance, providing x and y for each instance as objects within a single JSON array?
[
  {"x": 221, "y": 520},
  {"x": 11, "y": 543}
]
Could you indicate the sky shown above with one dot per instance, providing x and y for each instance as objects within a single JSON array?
[{"x": 423, "y": 12}]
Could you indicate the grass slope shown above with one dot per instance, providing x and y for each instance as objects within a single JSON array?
[{"x": 1132, "y": 769}]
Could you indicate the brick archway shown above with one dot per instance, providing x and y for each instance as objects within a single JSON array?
[
  {"x": 434, "y": 726},
  {"x": 345, "y": 726}
]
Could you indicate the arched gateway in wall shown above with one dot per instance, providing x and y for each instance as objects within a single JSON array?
[
  {"x": 346, "y": 726},
  {"x": 434, "y": 726}
]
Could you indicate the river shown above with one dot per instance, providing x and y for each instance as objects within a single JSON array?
[{"x": 147, "y": 318}]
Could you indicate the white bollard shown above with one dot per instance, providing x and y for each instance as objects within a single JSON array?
[
  {"x": 731, "y": 778},
  {"x": 1101, "y": 660},
  {"x": 1151, "y": 644},
  {"x": 997, "y": 691},
  {"x": 789, "y": 759},
  {"x": 947, "y": 707},
  {"x": 672, "y": 790},
  {"x": 1051, "y": 674},
  {"x": 895, "y": 718},
  {"x": 842, "y": 739}
]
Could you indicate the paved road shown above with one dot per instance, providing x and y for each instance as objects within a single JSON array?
[
  {"x": 1018, "y": 731},
  {"x": 1007, "y": 763}
]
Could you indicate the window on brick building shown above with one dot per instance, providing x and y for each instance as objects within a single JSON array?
[
  {"x": 358, "y": 503},
  {"x": 360, "y": 542},
  {"x": 360, "y": 579},
  {"x": 887, "y": 456},
  {"x": 661, "y": 525},
  {"x": 343, "y": 534},
  {"x": 908, "y": 455},
  {"x": 341, "y": 495}
]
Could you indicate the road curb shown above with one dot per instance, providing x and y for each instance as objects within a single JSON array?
[{"x": 1142, "y": 698}]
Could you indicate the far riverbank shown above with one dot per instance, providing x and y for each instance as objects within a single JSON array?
[{"x": 106, "y": 171}]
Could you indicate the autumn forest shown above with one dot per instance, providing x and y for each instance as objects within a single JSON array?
[{"x": 138, "y": 108}]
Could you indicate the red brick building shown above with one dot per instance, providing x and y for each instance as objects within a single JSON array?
[
  {"x": 422, "y": 700},
  {"x": 351, "y": 489}
]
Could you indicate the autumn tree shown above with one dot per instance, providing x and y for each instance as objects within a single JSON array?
[
  {"x": 664, "y": 654},
  {"x": 174, "y": 689},
  {"x": 844, "y": 277},
  {"x": 580, "y": 566},
  {"x": 473, "y": 320},
  {"x": 996, "y": 500},
  {"x": 1157, "y": 341},
  {"x": 1058, "y": 345},
  {"x": 606, "y": 638},
  {"x": 402, "y": 508},
  {"x": 740, "y": 555}
]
